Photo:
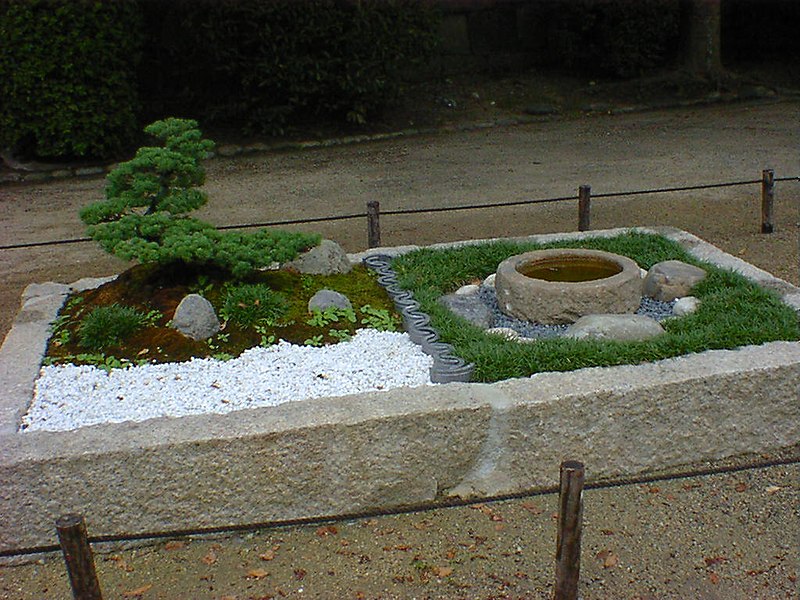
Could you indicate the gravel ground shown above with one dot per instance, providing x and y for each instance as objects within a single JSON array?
[{"x": 725, "y": 536}]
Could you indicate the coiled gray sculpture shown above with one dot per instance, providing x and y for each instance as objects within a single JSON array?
[{"x": 446, "y": 367}]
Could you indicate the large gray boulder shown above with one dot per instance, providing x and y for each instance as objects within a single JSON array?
[
  {"x": 326, "y": 259},
  {"x": 195, "y": 318},
  {"x": 622, "y": 328},
  {"x": 671, "y": 279},
  {"x": 327, "y": 298}
]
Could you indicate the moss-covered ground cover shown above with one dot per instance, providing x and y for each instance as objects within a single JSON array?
[
  {"x": 734, "y": 312},
  {"x": 260, "y": 309}
]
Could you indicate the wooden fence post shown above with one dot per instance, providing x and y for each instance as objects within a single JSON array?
[
  {"x": 767, "y": 200},
  {"x": 584, "y": 207},
  {"x": 78, "y": 557},
  {"x": 570, "y": 524},
  {"x": 373, "y": 224}
]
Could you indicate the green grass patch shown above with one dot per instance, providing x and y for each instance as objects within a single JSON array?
[{"x": 734, "y": 311}]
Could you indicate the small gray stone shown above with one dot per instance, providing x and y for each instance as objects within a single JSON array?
[
  {"x": 671, "y": 279},
  {"x": 685, "y": 306},
  {"x": 622, "y": 328},
  {"x": 326, "y": 259},
  {"x": 195, "y": 318},
  {"x": 471, "y": 308},
  {"x": 489, "y": 281},
  {"x": 467, "y": 290},
  {"x": 326, "y": 298}
]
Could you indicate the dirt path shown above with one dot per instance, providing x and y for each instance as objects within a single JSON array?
[
  {"x": 549, "y": 159},
  {"x": 725, "y": 537}
]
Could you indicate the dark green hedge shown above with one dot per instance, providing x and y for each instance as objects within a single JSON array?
[
  {"x": 67, "y": 77},
  {"x": 612, "y": 37},
  {"x": 264, "y": 64}
]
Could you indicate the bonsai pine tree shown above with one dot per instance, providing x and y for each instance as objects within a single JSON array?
[{"x": 148, "y": 198}]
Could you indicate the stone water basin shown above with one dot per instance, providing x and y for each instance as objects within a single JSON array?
[{"x": 561, "y": 285}]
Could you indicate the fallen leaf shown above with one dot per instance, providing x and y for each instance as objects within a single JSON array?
[
  {"x": 714, "y": 560},
  {"x": 327, "y": 530},
  {"x": 531, "y": 508},
  {"x": 654, "y": 490},
  {"x": 138, "y": 591},
  {"x": 450, "y": 554},
  {"x": 299, "y": 574},
  {"x": 740, "y": 487},
  {"x": 792, "y": 577},
  {"x": 268, "y": 555},
  {"x": 521, "y": 575},
  {"x": 608, "y": 557},
  {"x": 756, "y": 572},
  {"x": 607, "y": 532},
  {"x": 442, "y": 571},
  {"x": 227, "y": 598},
  {"x": 772, "y": 489},
  {"x": 210, "y": 558},
  {"x": 174, "y": 545},
  {"x": 713, "y": 578},
  {"x": 257, "y": 574},
  {"x": 143, "y": 351}
]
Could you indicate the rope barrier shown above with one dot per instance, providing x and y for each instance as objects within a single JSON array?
[
  {"x": 790, "y": 460},
  {"x": 414, "y": 211}
]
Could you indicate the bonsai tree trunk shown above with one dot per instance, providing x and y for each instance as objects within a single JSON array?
[{"x": 701, "y": 38}]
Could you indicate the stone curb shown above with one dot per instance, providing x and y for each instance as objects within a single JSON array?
[
  {"x": 234, "y": 150},
  {"x": 395, "y": 449}
]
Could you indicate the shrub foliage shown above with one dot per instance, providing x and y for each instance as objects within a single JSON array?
[
  {"x": 67, "y": 77},
  {"x": 148, "y": 198},
  {"x": 267, "y": 64}
]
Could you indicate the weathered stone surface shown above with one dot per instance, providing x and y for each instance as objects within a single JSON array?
[
  {"x": 471, "y": 308},
  {"x": 685, "y": 306},
  {"x": 622, "y": 328},
  {"x": 195, "y": 318},
  {"x": 671, "y": 279},
  {"x": 558, "y": 302},
  {"x": 326, "y": 259},
  {"x": 489, "y": 281},
  {"x": 36, "y": 290},
  {"x": 326, "y": 298},
  {"x": 467, "y": 290},
  {"x": 90, "y": 283}
]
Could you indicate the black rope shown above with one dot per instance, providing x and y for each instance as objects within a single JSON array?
[
  {"x": 414, "y": 211},
  {"x": 449, "y": 503}
]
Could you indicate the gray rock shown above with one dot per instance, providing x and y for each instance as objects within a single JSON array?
[
  {"x": 36, "y": 290},
  {"x": 622, "y": 328},
  {"x": 467, "y": 290},
  {"x": 471, "y": 308},
  {"x": 90, "y": 283},
  {"x": 671, "y": 279},
  {"x": 326, "y": 259},
  {"x": 195, "y": 318},
  {"x": 685, "y": 306},
  {"x": 326, "y": 298}
]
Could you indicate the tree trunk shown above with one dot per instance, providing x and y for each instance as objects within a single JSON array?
[{"x": 701, "y": 38}]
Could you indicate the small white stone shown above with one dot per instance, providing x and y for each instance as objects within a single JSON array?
[
  {"x": 685, "y": 306},
  {"x": 505, "y": 332},
  {"x": 642, "y": 272},
  {"x": 489, "y": 281},
  {"x": 467, "y": 290}
]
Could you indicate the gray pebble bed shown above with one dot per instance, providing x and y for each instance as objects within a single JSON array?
[{"x": 649, "y": 307}]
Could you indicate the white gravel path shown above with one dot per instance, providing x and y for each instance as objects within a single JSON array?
[{"x": 68, "y": 397}]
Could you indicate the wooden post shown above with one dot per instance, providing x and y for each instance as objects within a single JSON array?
[
  {"x": 373, "y": 224},
  {"x": 570, "y": 523},
  {"x": 78, "y": 556},
  {"x": 767, "y": 200},
  {"x": 584, "y": 207}
]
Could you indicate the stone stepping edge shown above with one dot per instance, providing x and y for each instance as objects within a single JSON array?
[{"x": 446, "y": 367}]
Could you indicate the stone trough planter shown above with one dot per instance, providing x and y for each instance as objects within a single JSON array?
[{"x": 386, "y": 450}]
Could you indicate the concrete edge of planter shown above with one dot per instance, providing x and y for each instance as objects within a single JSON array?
[{"x": 399, "y": 448}]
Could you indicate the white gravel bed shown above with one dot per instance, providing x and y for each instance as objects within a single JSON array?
[{"x": 68, "y": 397}]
